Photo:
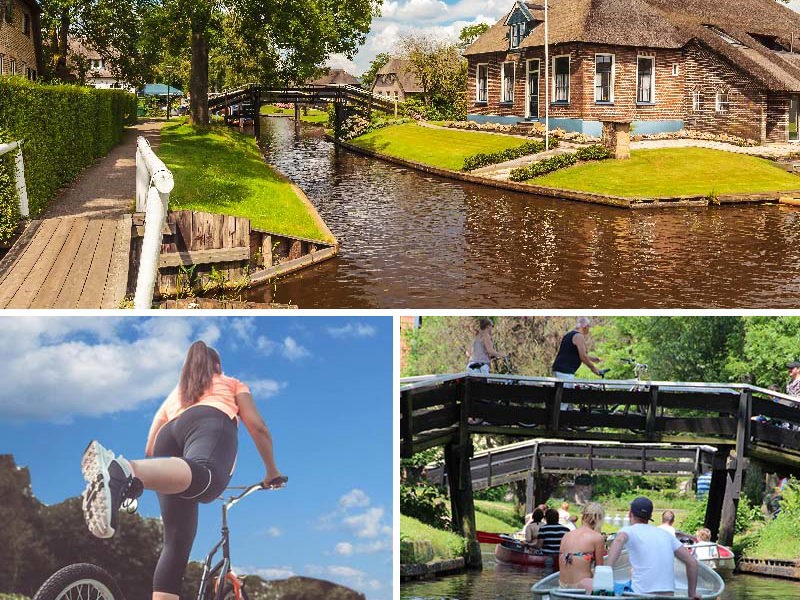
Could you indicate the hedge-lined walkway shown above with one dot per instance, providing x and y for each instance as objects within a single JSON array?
[{"x": 107, "y": 188}]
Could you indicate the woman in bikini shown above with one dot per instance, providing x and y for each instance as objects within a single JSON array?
[
  {"x": 582, "y": 549},
  {"x": 191, "y": 452}
]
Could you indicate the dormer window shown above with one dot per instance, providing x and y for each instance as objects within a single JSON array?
[{"x": 517, "y": 33}]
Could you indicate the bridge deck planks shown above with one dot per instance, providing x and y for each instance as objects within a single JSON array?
[{"x": 69, "y": 263}]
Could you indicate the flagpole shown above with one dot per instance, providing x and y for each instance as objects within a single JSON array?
[{"x": 546, "y": 83}]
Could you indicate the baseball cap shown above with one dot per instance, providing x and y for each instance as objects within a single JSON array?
[
  {"x": 642, "y": 507},
  {"x": 793, "y": 365}
]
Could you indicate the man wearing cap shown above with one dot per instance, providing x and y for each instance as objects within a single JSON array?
[
  {"x": 793, "y": 387},
  {"x": 651, "y": 551}
]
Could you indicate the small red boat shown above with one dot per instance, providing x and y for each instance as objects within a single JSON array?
[
  {"x": 484, "y": 537},
  {"x": 514, "y": 552}
]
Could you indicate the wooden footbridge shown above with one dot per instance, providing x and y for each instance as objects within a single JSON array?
[
  {"x": 742, "y": 422},
  {"x": 345, "y": 98}
]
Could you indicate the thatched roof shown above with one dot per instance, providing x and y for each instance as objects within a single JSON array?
[
  {"x": 670, "y": 24},
  {"x": 336, "y": 77},
  {"x": 401, "y": 68}
]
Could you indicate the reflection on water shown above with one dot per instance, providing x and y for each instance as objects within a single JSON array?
[
  {"x": 510, "y": 582},
  {"x": 412, "y": 240}
]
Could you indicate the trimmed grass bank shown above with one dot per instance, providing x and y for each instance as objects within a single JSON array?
[
  {"x": 674, "y": 172},
  {"x": 219, "y": 170},
  {"x": 313, "y": 116},
  {"x": 445, "y": 148}
]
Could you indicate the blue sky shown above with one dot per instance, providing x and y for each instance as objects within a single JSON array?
[
  {"x": 323, "y": 385},
  {"x": 439, "y": 18}
]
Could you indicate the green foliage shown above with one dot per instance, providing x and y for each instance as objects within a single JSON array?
[
  {"x": 425, "y": 503},
  {"x": 9, "y": 201},
  {"x": 769, "y": 343},
  {"x": 559, "y": 161},
  {"x": 368, "y": 78},
  {"x": 63, "y": 129},
  {"x": 470, "y": 33},
  {"x": 492, "y": 494},
  {"x": 483, "y": 159},
  {"x": 442, "y": 74},
  {"x": 694, "y": 519},
  {"x": 445, "y": 544},
  {"x": 502, "y": 511}
]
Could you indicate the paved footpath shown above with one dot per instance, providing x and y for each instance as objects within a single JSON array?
[
  {"x": 775, "y": 151},
  {"x": 107, "y": 188}
]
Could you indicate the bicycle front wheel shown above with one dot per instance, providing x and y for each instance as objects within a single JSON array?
[
  {"x": 82, "y": 581},
  {"x": 228, "y": 593}
]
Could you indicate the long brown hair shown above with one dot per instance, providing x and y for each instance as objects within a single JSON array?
[{"x": 201, "y": 364}]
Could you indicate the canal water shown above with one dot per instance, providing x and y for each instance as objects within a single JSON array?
[
  {"x": 413, "y": 240},
  {"x": 509, "y": 582}
]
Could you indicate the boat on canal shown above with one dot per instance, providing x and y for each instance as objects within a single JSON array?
[
  {"x": 512, "y": 551},
  {"x": 709, "y": 584},
  {"x": 718, "y": 557}
]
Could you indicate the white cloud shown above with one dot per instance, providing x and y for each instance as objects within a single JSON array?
[
  {"x": 353, "y": 498},
  {"x": 265, "y": 345},
  {"x": 349, "y": 576},
  {"x": 269, "y": 572},
  {"x": 368, "y": 524},
  {"x": 244, "y": 328},
  {"x": 356, "y": 329},
  {"x": 292, "y": 350},
  {"x": 274, "y": 532},
  {"x": 344, "y": 548},
  {"x": 265, "y": 388}
]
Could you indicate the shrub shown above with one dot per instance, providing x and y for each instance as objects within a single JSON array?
[
  {"x": 483, "y": 159},
  {"x": 425, "y": 503},
  {"x": 63, "y": 129},
  {"x": 559, "y": 161}
]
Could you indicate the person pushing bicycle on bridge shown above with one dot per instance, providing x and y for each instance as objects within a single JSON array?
[
  {"x": 572, "y": 353},
  {"x": 191, "y": 450}
]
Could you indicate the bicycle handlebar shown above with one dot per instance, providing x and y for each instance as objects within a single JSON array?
[{"x": 273, "y": 484}]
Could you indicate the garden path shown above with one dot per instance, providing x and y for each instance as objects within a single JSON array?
[
  {"x": 106, "y": 189},
  {"x": 501, "y": 171}
]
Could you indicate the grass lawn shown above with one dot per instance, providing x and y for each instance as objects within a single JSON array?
[
  {"x": 503, "y": 511},
  {"x": 221, "y": 171},
  {"x": 313, "y": 116},
  {"x": 445, "y": 544},
  {"x": 271, "y": 109},
  {"x": 446, "y": 148},
  {"x": 484, "y": 522},
  {"x": 674, "y": 172}
]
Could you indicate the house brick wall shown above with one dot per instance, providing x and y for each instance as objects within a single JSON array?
[
  {"x": 747, "y": 115},
  {"x": 14, "y": 44},
  {"x": 776, "y": 126}
]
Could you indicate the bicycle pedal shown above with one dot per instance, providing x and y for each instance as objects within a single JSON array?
[{"x": 129, "y": 505}]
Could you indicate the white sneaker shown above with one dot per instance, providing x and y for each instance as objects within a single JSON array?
[{"x": 110, "y": 481}]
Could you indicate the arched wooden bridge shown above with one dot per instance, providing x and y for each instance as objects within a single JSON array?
[
  {"x": 346, "y": 98},
  {"x": 741, "y": 421}
]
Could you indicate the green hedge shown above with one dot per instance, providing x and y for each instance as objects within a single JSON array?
[
  {"x": 484, "y": 159},
  {"x": 63, "y": 129},
  {"x": 559, "y": 161}
]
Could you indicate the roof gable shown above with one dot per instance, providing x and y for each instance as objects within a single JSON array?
[{"x": 519, "y": 14}]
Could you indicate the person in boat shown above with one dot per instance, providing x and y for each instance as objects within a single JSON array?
[
  {"x": 563, "y": 514},
  {"x": 531, "y": 530},
  {"x": 793, "y": 387},
  {"x": 668, "y": 522},
  {"x": 582, "y": 549},
  {"x": 551, "y": 533},
  {"x": 482, "y": 350},
  {"x": 704, "y": 548},
  {"x": 572, "y": 354},
  {"x": 651, "y": 552}
]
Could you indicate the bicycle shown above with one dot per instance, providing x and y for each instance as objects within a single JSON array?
[{"x": 86, "y": 581}]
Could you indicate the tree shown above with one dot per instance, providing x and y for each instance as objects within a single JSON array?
[
  {"x": 470, "y": 33},
  {"x": 368, "y": 78}
]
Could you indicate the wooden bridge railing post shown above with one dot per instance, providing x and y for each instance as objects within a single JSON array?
[
  {"x": 555, "y": 409},
  {"x": 652, "y": 411},
  {"x": 459, "y": 477},
  {"x": 716, "y": 491},
  {"x": 407, "y": 424},
  {"x": 735, "y": 472},
  {"x": 257, "y": 112}
]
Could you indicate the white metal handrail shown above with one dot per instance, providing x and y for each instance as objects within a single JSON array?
[
  {"x": 19, "y": 168},
  {"x": 154, "y": 182}
]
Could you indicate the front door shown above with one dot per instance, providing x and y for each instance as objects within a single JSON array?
[
  {"x": 794, "y": 118},
  {"x": 533, "y": 89}
]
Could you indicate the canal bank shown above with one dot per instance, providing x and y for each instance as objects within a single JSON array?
[{"x": 697, "y": 200}]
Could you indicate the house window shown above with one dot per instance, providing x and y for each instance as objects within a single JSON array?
[
  {"x": 1, "y": 64},
  {"x": 507, "y": 82},
  {"x": 603, "y": 77},
  {"x": 676, "y": 69},
  {"x": 97, "y": 63},
  {"x": 697, "y": 101},
  {"x": 561, "y": 79},
  {"x": 645, "y": 79},
  {"x": 12, "y": 66},
  {"x": 26, "y": 24},
  {"x": 9, "y": 11},
  {"x": 723, "y": 102},
  {"x": 517, "y": 33},
  {"x": 482, "y": 83}
]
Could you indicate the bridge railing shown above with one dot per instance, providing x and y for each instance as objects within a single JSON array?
[
  {"x": 19, "y": 175},
  {"x": 154, "y": 182},
  {"x": 433, "y": 410}
]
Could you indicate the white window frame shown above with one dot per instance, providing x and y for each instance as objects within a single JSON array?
[
  {"x": 697, "y": 101},
  {"x": 652, "y": 59},
  {"x": 676, "y": 69},
  {"x": 27, "y": 25},
  {"x": 528, "y": 72},
  {"x": 718, "y": 104},
  {"x": 478, "y": 98},
  {"x": 12, "y": 67},
  {"x": 611, "y": 82},
  {"x": 518, "y": 28},
  {"x": 503, "y": 99},
  {"x": 555, "y": 78},
  {"x": 2, "y": 60}
]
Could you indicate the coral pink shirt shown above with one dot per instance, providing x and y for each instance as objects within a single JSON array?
[{"x": 220, "y": 394}]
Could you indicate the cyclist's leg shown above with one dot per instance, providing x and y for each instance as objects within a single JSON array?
[
  {"x": 179, "y": 517},
  {"x": 569, "y": 378}
]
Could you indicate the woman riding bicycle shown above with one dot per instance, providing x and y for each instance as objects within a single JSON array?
[
  {"x": 482, "y": 350},
  {"x": 194, "y": 438}
]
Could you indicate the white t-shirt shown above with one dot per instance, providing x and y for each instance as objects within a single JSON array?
[
  {"x": 668, "y": 528},
  {"x": 652, "y": 554}
]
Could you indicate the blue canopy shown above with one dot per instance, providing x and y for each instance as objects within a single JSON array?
[{"x": 160, "y": 89}]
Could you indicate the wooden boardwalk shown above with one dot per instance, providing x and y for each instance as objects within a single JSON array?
[{"x": 68, "y": 263}]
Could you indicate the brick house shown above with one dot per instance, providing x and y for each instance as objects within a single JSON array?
[
  {"x": 20, "y": 38},
  {"x": 97, "y": 69},
  {"x": 706, "y": 65},
  {"x": 396, "y": 80}
]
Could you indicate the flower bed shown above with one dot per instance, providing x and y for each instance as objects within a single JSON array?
[
  {"x": 685, "y": 134},
  {"x": 534, "y": 130},
  {"x": 559, "y": 161}
]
